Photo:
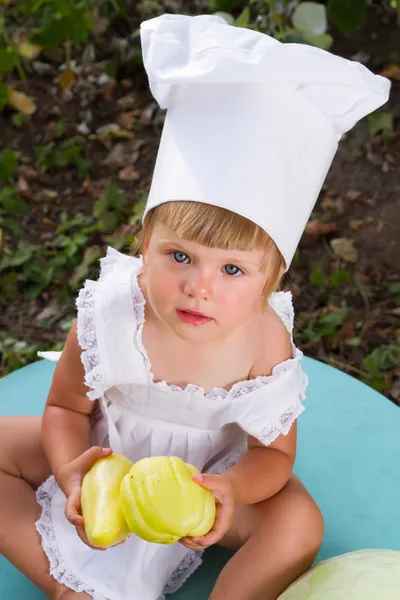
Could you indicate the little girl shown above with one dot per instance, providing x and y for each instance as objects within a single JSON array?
[{"x": 187, "y": 350}]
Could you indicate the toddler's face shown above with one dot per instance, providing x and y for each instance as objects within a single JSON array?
[{"x": 223, "y": 285}]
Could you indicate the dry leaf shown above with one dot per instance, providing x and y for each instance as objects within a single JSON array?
[
  {"x": 27, "y": 172},
  {"x": 127, "y": 119},
  {"x": 336, "y": 205},
  {"x": 317, "y": 228},
  {"x": 112, "y": 131},
  {"x": 100, "y": 25},
  {"x": 391, "y": 71},
  {"x": 344, "y": 248},
  {"x": 66, "y": 79},
  {"x": 354, "y": 194},
  {"x": 22, "y": 184},
  {"x": 28, "y": 50},
  {"x": 127, "y": 102},
  {"x": 21, "y": 102},
  {"x": 48, "y": 223},
  {"x": 108, "y": 90},
  {"x": 314, "y": 230},
  {"x": 355, "y": 224},
  {"x": 129, "y": 173}
]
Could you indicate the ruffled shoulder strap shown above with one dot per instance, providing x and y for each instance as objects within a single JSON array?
[
  {"x": 282, "y": 303},
  {"x": 271, "y": 409},
  {"x": 108, "y": 314},
  {"x": 276, "y": 401}
]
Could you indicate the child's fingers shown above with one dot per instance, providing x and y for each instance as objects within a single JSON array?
[
  {"x": 73, "y": 508},
  {"x": 190, "y": 544},
  {"x": 222, "y": 524},
  {"x": 92, "y": 455}
]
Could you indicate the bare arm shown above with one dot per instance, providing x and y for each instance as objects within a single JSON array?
[
  {"x": 264, "y": 471},
  {"x": 66, "y": 418}
]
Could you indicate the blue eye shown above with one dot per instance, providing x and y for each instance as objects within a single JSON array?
[
  {"x": 232, "y": 270},
  {"x": 180, "y": 257}
]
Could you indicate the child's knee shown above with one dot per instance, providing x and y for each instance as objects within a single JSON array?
[
  {"x": 306, "y": 527},
  {"x": 21, "y": 449}
]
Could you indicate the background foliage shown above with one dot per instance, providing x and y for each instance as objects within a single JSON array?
[{"x": 78, "y": 138}]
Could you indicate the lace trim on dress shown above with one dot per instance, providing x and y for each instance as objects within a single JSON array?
[
  {"x": 193, "y": 559},
  {"x": 87, "y": 340},
  {"x": 61, "y": 572},
  {"x": 270, "y": 433},
  {"x": 280, "y": 302},
  {"x": 44, "y": 526},
  {"x": 185, "y": 569}
]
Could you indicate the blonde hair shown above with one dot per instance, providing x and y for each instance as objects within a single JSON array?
[{"x": 215, "y": 227}]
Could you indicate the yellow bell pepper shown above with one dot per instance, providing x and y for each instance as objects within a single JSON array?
[
  {"x": 161, "y": 503},
  {"x": 105, "y": 524}
]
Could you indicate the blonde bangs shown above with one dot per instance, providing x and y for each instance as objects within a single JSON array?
[{"x": 215, "y": 227}]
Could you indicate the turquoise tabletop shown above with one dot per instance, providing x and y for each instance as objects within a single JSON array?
[{"x": 348, "y": 457}]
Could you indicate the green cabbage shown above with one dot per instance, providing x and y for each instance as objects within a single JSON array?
[{"x": 362, "y": 575}]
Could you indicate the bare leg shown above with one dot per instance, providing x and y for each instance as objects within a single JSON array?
[
  {"x": 277, "y": 539},
  {"x": 23, "y": 468}
]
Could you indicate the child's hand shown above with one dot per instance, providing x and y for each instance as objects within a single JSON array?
[
  {"x": 69, "y": 478},
  {"x": 222, "y": 489}
]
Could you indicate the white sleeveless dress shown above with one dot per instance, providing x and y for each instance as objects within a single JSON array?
[{"x": 140, "y": 418}]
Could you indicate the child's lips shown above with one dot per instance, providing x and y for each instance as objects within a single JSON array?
[
  {"x": 193, "y": 312},
  {"x": 192, "y": 318}
]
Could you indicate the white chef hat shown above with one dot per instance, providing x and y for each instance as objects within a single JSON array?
[{"x": 252, "y": 124}]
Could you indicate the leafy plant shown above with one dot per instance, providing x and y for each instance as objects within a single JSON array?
[
  {"x": 382, "y": 359},
  {"x": 71, "y": 152},
  {"x": 108, "y": 209},
  {"x": 324, "y": 326},
  {"x": 8, "y": 164},
  {"x": 12, "y": 207}
]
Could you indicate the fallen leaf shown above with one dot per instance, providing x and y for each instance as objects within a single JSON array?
[
  {"x": 66, "y": 79},
  {"x": 109, "y": 89},
  {"x": 21, "y": 102},
  {"x": 27, "y": 172},
  {"x": 100, "y": 25},
  {"x": 355, "y": 224},
  {"x": 314, "y": 230},
  {"x": 344, "y": 248},
  {"x": 390, "y": 158},
  {"x": 127, "y": 102},
  {"x": 129, "y": 173},
  {"x": 124, "y": 154},
  {"x": 370, "y": 219},
  {"x": 112, "y": 131},
  {"x": 346, "y": 332},
  {"x": 336, "y": 205},
  {"x": 391, "y": 71},
  {"x": 48, "y": 223},
  {"x": 22, "y": 184},
  {"x": 127, "y": 119},
  {"x": 353, "y": 194},
  {"x": 28, "y": 50},
  {"x": 49, "y": 312},
  {"x": 127, "y": 83}
]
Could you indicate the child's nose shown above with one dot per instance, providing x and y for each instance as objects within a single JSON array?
[{"x": 199, "y": 286}]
